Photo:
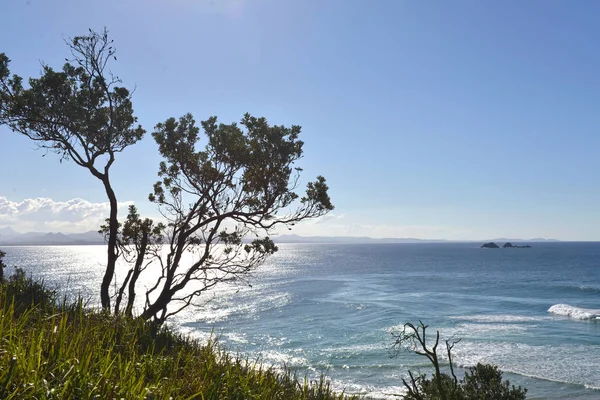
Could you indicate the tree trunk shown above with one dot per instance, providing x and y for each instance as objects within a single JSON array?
[
  {"x": 137, "y": 270},
  {"x": 166, "y": 294},
  {"x": 159, "y": 304},
  {"x": 113, "y": 228}
]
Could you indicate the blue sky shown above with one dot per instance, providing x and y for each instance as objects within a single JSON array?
[{"x": 457, "y": 120}]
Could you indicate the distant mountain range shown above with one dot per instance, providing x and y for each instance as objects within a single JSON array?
[
  {"x": 9, "y": 237},
  {"x": 353, "y": 239}
]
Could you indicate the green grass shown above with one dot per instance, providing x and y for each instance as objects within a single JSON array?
[{"x": 52, "y": 349}]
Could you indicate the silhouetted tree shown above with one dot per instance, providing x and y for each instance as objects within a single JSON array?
[
  {"x": 138, "y": 242},
  {"x": 221, "y": 202},
  {"x": 81, "y": 113}
]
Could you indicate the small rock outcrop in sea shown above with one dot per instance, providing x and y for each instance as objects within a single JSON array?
[
  {"x": 490, "y": 245},
  {"x": 509, "y": 245}
]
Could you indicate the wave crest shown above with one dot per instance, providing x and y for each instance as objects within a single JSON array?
[{"x": 574, "y": 312}]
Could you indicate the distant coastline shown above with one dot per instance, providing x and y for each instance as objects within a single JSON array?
[{"x": 10, "y": 237}]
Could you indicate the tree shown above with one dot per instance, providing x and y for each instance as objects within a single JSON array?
[
  {"x": 414, "y": 336},
  {"x": 221, "y": 202},
  {"x": 482, "y": 382},
  {"x": 81, "y": 113}
]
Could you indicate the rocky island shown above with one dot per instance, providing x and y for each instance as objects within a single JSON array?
[
  {"x": 508, "y": 245},
  {"x": 490, "y": 245}
]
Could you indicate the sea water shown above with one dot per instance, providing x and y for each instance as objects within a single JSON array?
[{"x": 331, "y": 309}]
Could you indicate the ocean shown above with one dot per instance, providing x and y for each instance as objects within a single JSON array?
[{"x": 331, "y": 308}]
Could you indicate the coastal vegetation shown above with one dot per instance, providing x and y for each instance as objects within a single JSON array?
[
  {"x": 54, "y": 349},
  {"x": 481, "y": 382}
]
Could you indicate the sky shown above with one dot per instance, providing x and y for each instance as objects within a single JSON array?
[{"x": 438, "y": 119}]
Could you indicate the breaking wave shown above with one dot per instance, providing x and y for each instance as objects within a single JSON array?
[{"x": 575, "y": 312}]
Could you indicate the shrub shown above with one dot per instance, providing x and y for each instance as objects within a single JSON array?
[
  {"x": 27, "y": 293},
  {"x": 482, "y": 382}
]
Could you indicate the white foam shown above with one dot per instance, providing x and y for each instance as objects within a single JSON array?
[
  {"x": 354, "y": 349},
  {"x": 480, "y": 329},
  {"x": 575, "y": 312},
  {"x": 497, "y": 318},
  {"x": 279, "y": 358},
  {"x": 375, "y": 392},
  {"x": 547, "y": 362},
  {"x": 235, "y": 337}
]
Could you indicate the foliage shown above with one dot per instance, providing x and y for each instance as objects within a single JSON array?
[
  {"x": 221, "y": 202},
  {"x": 81, "y": 113},
  {"x": 58, "y": 351},
  {"x": 485, "y": 382},
  {"x": 482, "y": 382},
  {"x": 27, "y": 293}
]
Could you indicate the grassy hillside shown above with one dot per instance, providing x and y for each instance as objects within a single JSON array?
[{"x": 51, "y": 349}]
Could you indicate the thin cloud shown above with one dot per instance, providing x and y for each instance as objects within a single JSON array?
[
  {"x": 327, "y": 218},
  {"x": 343, "y": 225}
]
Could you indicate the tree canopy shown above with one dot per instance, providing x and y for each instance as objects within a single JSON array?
[
  {"x": 223, "y": 190},
  {"x": 81, "y": 112}
]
